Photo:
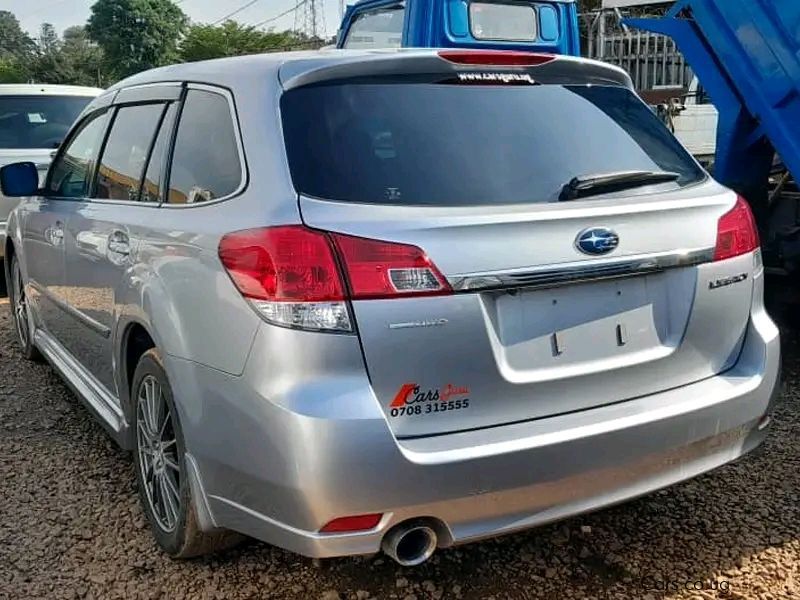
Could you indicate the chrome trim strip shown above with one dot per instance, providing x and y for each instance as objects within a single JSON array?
[
  {"x": 88, "y": 321},
  {"x": 580, "y": 271}
]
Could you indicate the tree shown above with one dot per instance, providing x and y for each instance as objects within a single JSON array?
[
  {"x": 85, "y": 58},
  {"x": 16, "y": 49},
  {"x": 203, "y": 42},
  {"x": 136, "y": 35},
  {"x": 72, "y": 60}
]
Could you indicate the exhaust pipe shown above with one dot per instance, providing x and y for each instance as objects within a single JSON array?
[{"x": 410, "y": 544}]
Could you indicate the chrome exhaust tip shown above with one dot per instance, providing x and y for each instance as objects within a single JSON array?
[{"x": 410, "y": 544}]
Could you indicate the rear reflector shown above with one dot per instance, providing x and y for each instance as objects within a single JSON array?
[
  {"x": 377, "y": 269},
  {"x": 503, "y": 58},
  {"x": 352, "y": 524},
  {"x": 737, "y": 233}
]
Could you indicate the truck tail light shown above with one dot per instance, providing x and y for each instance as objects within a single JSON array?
[
  {"x": 737, "y": 233},
  {"x": 292, "y": 276}
]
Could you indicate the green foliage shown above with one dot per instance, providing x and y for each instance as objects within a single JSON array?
[
  {"x": 136, "y": 35},
  {"x": 203, "y": 42},
  {"x": 17, "y": 50},
  {"x": 11, "y": 71},
  {"x": 72, "y": 60}
]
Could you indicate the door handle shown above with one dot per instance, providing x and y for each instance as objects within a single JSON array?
[
  {"x": 55, "y": 234},
  {"x": 119, "y": 243}
]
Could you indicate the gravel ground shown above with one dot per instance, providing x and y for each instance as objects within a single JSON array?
[{"x": 70, "y": 526}]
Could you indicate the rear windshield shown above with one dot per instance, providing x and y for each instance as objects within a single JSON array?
[
  {"x": 37, "y": 121},
  {"x": 460, "y": 145}
]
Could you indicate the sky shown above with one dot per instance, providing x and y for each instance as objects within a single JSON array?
[{"x": 64, "y": 13}]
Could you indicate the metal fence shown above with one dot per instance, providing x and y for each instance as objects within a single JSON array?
[{"x": 652, "y": 60}]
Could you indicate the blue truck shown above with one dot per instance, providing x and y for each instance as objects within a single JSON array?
[
  {"x": 746, "y": 54},
  {"x": 536, "y": 25}
]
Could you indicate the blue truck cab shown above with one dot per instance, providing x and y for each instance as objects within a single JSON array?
[{"x": 530, "y": 25}]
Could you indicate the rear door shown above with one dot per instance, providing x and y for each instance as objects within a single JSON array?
[{"x": 558, "y": 306}]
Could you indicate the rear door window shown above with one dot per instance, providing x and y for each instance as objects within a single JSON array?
[
  {"x": 125, "y": 154},
  {"x": 206, "y": 164},
  {"x": 71, "y": 173},
  {"x": 151, "y": 189},
  {"x": 382, "y": 28},
  {"x": 503, "y": 22},
  {"x": 458, "y": 145}
]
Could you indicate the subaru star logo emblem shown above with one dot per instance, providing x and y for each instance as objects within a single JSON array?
[{"x": 597, "y": 240}]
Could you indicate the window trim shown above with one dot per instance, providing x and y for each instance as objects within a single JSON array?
[
  {"x": 93, "y": 186},
  {"x": 534, "y": 9},
  {"x": 244, "y": 179},
  {"x": 73, "y": 133},
  {"x": 164, "y": 112},
  {"x": 390, "y": 5}
]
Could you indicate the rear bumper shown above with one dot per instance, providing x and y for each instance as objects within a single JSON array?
[
  {"x": 279, "y": 472},
  {"x": 3, "y": 226}
]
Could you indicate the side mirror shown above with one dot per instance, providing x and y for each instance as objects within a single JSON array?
[{"x": 19, "y": 179}]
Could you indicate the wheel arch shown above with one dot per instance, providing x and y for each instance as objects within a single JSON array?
[{"x": 135, "y": 340}]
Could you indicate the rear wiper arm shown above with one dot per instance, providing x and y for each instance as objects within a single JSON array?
[{"x": 593, "y": 185}]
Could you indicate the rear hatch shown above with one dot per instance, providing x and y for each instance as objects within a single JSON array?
[{"x": 550, "y": 306}]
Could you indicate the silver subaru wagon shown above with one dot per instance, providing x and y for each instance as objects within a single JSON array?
[{"x": 344, "y": 301}]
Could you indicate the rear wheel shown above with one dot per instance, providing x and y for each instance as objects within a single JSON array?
[
  {"x": 21, "y": 312},
  {"x": 164, "y": 488}
]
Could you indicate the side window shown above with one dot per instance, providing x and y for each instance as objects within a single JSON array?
[
  {"x": 71, "y": 173},
  {"x": 151, "y": 192},
  {"x": 125, "y": 154},
  {"x": 381, "y": 28},
  {"x": 205, "y": 162}
]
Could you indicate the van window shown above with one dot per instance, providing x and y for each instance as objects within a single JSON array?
[
  {"x": 503, "y": 22},
  {"x": 376, "y": 29},
  {"x": 71, "y": 173},
  {"x": 125, "y": 154},
  {"x": 205, "y": 163},
  {"x": 460, "y": 145}
]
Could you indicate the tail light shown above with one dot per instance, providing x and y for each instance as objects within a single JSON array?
[
  {"x": 292, "y": 277},
  {"x": 500, "y": 58},
  {"x": 737, "y": 233},
  {"x": 378, "y": 269}
]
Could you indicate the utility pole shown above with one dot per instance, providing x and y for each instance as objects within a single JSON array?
[{"x": 309, "y": 19}]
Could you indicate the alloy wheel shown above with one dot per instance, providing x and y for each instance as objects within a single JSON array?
[{"x": 157, "y": 448}]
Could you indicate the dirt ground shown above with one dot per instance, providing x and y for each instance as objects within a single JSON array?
[{"x": 70, "y": 525}]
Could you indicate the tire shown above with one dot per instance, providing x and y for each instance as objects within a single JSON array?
[
  {"x": 21, "y": 312},
  {"x": 3, "y": 285},
  {"x": 159, "y": 457}
]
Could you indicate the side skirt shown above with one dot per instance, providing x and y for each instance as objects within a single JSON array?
[{"x": 106, "y": 408}]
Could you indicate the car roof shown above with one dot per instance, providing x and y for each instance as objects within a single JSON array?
[
  {"x": 239, "y": 71},
  {"x": 46, "y": 89}
]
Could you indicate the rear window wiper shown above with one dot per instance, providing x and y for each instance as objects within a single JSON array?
[{"x": 594, "y": 185}]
